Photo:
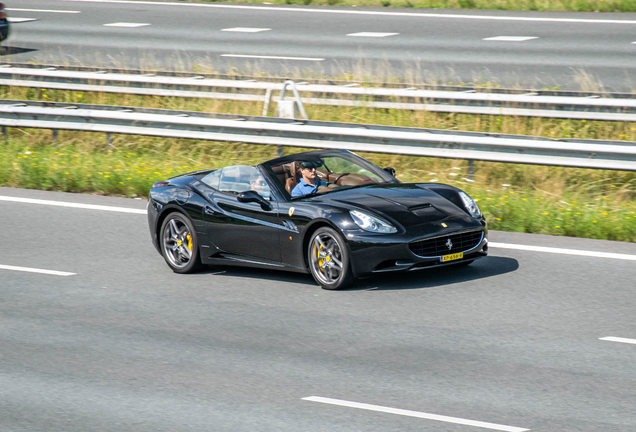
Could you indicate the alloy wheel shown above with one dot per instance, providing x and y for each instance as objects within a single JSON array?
[
  {"x": 326, "y": 259},
  {"x": 177, "y": 243}
]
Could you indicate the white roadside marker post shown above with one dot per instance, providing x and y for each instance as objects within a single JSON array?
[{"x": 289, "y": 108}]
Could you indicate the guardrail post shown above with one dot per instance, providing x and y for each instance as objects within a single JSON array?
[
  {"x": 287, "y": 109},
  {"x": 5, "y": 134},
  {"x": 268, "y": 100},
  {"x": 471, "y": 169},
  {"x": 109, "y": 141},
  {"x": 55, "y": 135}
]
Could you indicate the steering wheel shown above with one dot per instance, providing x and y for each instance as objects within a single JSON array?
[{"x": 339, "y": 177}]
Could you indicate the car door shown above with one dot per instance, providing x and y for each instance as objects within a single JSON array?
[{"x": 248, "y": 229}]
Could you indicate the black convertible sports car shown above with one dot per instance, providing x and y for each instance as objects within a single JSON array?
[{"x": 361, "y": 221}]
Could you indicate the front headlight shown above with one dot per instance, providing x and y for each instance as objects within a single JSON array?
[
  {"x": 470, "y": 205},
  {"x": 371, "y": 223}
]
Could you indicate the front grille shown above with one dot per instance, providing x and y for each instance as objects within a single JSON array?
[{"x": 438, "y": 246}]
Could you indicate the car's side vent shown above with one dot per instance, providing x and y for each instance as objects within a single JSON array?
[{"x": 448, "y": 244}]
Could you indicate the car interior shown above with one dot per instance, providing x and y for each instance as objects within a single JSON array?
[{"x": 289, "y": 175}]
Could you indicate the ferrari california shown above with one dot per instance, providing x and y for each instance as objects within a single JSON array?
[{"x": 329, "y": 213}]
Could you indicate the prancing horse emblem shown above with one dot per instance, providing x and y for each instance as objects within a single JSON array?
[{"x": 449, "y": 244}]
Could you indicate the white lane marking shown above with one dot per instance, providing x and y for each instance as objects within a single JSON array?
[
  {"x": 417, "y": 414},
  {"x": 510, "y": 38},
  {"x": 125, "y": 24},
  {"x": 372, "y": 34},
  {"x": 246, "y": 30},
  {"x": 20, "y": 20},
  {"x": 272, "y": 57},
  {"x": 618, "y": 339},
  {"x": 563, "y": 251},
  {"x": 34, "y": 270},
  {"x": 72, "y": 205},
  {"x": 376, "y": 13},
  {"x": 43, "y": 10}
]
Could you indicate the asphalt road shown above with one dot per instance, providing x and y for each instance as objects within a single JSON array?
[
  {"x": 566, "y": 49},
  {"x": 124, "y": 344}
]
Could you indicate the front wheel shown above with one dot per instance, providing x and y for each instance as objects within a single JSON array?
[
  {"x": 179, "y": 245},
  {"x": 329, "y": 259}
]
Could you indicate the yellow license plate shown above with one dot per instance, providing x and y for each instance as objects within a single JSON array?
[{"x": 452, "y": 257}]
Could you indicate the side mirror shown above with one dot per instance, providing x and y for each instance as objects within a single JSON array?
[
  {"x": 390, "y": 171},
  {"x": 253, "y": 196}
]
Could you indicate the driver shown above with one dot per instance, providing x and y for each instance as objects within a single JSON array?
[{"x": 309, "y": 183}]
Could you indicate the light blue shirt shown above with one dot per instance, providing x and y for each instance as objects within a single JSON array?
[{"x": 304, "y": 188}]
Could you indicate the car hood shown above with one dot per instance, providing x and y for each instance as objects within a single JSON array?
[{"x": 409, "y": 204}]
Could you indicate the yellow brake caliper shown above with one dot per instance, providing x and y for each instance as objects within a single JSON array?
[
  {"x": 189, "y": 242},
  {"x": 320, "y": 261}
]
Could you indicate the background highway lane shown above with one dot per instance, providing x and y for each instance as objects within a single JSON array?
[
  {"x": 451, "y": 49},
  {"x": 128, "y": 345}
]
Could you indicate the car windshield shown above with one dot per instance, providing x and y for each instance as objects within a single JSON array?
[{"x": 316, "y": 173}]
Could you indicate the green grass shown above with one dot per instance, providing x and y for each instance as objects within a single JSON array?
[
  {"x": 571, "y": 202},
  {"x": 533, "y": 5}
]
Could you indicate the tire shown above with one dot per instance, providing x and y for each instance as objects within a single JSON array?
[
  {"x": 329, "y": 259},
  {"x": 179, "y": 244}
]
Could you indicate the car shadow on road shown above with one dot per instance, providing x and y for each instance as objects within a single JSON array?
[
  {"x": 8, "y": 50},
  {"x": 427, "y": 278},
  {"x": 436, "y": 277},
  {"x": 258, "y": 273}
]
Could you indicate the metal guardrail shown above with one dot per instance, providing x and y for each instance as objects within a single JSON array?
[
  {"x": 614, "y": 155},
  {"x": 581, "y": 106},
  {"x": 321, "y": 81}
]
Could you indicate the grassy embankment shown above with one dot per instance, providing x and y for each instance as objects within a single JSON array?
[
  {"x": 532, "y": 5},
  {"x": 536, "y": 199}
]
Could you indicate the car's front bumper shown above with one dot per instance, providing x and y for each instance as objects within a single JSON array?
[
  {"x": 152, "y": 223},
  {"x": 372, "y": 253}
]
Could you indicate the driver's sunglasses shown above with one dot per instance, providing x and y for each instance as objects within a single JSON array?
[{"x": 310, "y": 169}]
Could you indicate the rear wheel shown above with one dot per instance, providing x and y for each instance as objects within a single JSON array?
[
  {"x": 179, "y": 245},
  {"x": 329, "y": 259}
]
